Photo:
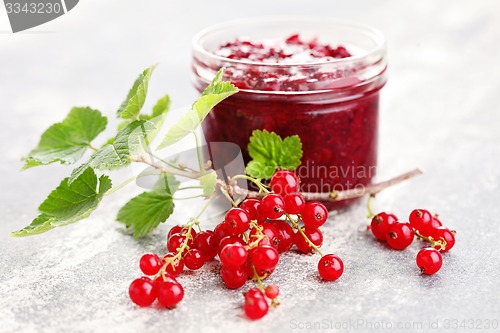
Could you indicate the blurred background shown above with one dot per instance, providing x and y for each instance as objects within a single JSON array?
[{"x": 439, "y": 111}]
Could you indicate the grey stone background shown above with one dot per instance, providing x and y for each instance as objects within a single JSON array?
[{"x": 439, "y": 111}]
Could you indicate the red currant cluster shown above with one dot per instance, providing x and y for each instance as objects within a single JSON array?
[
  {"x": 248, "y": 243},
  {"x": 399, "y": 235}
]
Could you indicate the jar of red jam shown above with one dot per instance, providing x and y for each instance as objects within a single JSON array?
[{"x": 317, "y": 78}]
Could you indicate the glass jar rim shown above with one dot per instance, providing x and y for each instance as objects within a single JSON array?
[{"x": 376, "y": 35}]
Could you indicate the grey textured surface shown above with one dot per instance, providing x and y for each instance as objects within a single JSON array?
[{"x": 439, "y": 111}]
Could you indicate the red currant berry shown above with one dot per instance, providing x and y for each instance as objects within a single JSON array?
[
  {"x": 315, "y": 236},
  {"x": 237, "y": 220},
  {"x": 170, "y": 294},
  {"x": 221, "y": 231},
  {"x": 206, "y": 243},
  {"x": 399, "y": 235},
  {"x": 380, "y": 224},
  {"x": 285, "y": 234},
  {"x": 445, "y": 234},
  {"x": 233, "y": 256},
  {"x": 142, "y": 291},
  {"x": 272, "y": 291},
  {"x": 230, "y": 240},
  {"x": 176, "y": 229},
  {"x": 175, "y": 241},
  {"x": 429, "y": 260},
  {"x": 164, "y": 278},
  {"x": 252, "y": 207},
  {"x": 272, "y": 235},
  {"x": 255, "y": 307},
  {"x": 180, "y": 229},
  {"x": 330, "y": 267},
  {"x": 314, "y": 214},
  {"x": 254, "y": 293},
  {"x": 150, "y": 264},
  {"x": 264, "y": 257},
  {"x": 436, "y": 223},
  {"x": 294, "y": 203},
  {"x": 421, "y": 220},
  {"x": 272, "y": 206},
  {"x": 233, "y": 278},
  {"x": 173, "y": 266},
  {"x": 193, "y": 259},
  {"x": 284, "y": 182}
]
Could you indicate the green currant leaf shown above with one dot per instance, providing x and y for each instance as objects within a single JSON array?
[
  {"x": 68, "y": 203},
  {"x": 132, "y": 139},
  {"x": 208, "y": 181},
  {"x": 261, "y": 169},
  {"x": 147, "y": 210},
  {"x": 132, "y": 105},
  {"x": 67, "y": 141},
  {"x": 269, "y": 152},
  {"x": 216, "y": 92}
]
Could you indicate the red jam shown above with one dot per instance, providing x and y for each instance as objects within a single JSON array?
[{"x": 305, "y": 87}]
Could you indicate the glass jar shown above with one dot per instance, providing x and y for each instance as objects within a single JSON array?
[{"x": 331, "y": 105}]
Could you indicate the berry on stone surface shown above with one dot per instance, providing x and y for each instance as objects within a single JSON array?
[
  {"x": 380, "y": 223},
  {"x": 264, "y": 257},
  {"x": 193, "y": 259},
  {"x": 429, "y": 260},
  {"x": 421, "y": 219},
  {"x": 272, "y": 291},
  {"x": 444, "y": 234},
  {"x": 399, "y": 235},
  {"x": 142, "y": 291},
  {"x": 255, "y": 307},
  {"x": 294, "y": 203},
  {"x": 170, "y": 294},
  {"x": 233, "y": 255},
  {"x": 285, "y": 234},
  {"x": 330, "y": 267}
]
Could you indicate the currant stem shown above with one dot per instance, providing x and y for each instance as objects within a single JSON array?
[
  {"x": 257, "y": 278},
  {"x": 441, "y": 242},
  {"x": 228, "y": 197},
  {"x": 369, "y": 206},
  {"x": 165, "y": 169},
  {"x": 295, "y": 225},
  {"x": 122, "y": 185},
  {"x": 256, "y": 181},
  {"x": 198, "y": 152}
]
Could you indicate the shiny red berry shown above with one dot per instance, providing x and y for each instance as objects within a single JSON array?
[
  {"x": 254, "y": 293},
  {"x": 380, "y": 224},
  {"x": 170, "y": 294},
  {"x": 269, "y": 230},
  {"x": 313, "y": 234},
  {"x": 284, "y": 182},
  {"x": 294, "y": 203},
  {"x": 272, "y": 291},
  {"x": 233, "y": 278},
  {"x": 206, "y": 243},
  {"x": 314, "y": 214},
  {"x": 175, "y": 242},
  {"x": 272, "y": 206},
  {"x": 252, "y": 207},
  {"x": 330, "y": 267},
  {"x": 142, "y": 291},
  {"x": 150, "y": 264},
  {"x": 193, "y": 259},
  {"x": 237, "y": 221},
  {"x": 399, "y": 235},
  {"x": 285, "y": 234},
  {"x": 264, "y": 257},
  {"x": 255, "y": 307},
  {"x": 233, "y": 255},
  {"x": 429, "y": 261},
  {"x": 173, "y": 267},
  {"x": 221, "y": 231},
  {"x": 230, "y": 240},
  {"x": 421, "y": 220},
  {"x": 445, "y": 234}
]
